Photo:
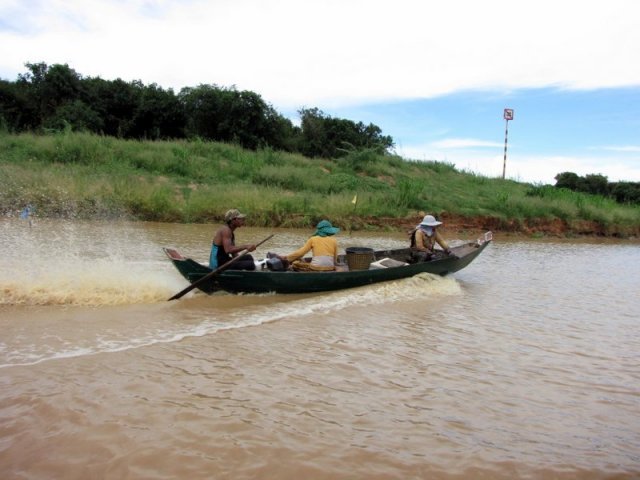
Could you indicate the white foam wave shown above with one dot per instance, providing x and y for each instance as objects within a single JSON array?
[
  {"x": 419, "y": 287},
  {"x": 82, "y": 263},
  {"x": 92, "y": 286},
  {"x": 414, "y": 288}
]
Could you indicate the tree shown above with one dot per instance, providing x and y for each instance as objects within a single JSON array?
[
  {"x": 595, "y": 184},
  {"x": 202, "y": 106},
  {"x": 56, "y": 97},
  {"x": 280, "y": 131},
  {"x": 75, "y": 114},
  {"x": 246, "y": 122},
  {"x": 229, "y": 115},
  {"x": 115, "y": 102},
  {"x": 16, "y": 114},
  {"x": 324, "y": 136},
  {"x": 47, "y": 88},
  {"x": 158, "y": 114},
  {"x": 626, "y": 192},
  {"x": 568, "y": 180}
]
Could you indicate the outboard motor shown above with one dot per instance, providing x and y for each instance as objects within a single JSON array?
[{"x": 275, "y": 264}]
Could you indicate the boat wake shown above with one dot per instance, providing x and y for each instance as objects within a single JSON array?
[
  {"x": 117, "y": 329},
  {"x": 227, "y": 312},
  {"x": 95, "y": 284},
  {"x": 118, "y": 282},
  {"x": 421, "y": 286},
  {"x": 85, "y": 264}
]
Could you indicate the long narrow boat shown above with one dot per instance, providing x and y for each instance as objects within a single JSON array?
[{"x": 386, "y": 265}]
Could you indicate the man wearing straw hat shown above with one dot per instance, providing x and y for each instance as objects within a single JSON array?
[
  {"x": 424, "y": 238},
  {"x": 224, "y": 248}
]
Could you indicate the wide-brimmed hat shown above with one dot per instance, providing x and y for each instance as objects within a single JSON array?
[
  {"x": 429, "y": 221},
  {"x": 232, "y": 215},
  {"x": 325, "y": 229}
]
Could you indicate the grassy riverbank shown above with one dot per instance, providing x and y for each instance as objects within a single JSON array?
[{"x": 88, "y": 176}]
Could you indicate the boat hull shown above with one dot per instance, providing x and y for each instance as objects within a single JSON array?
[{"x": 265, "y": 281}]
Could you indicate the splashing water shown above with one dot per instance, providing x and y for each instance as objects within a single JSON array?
[
  {"x": 200, "y": 316},
  {"x": 88, "y": 284},
  {"x": 121, "y": 269},
  {"x": 71, "y": 263}
]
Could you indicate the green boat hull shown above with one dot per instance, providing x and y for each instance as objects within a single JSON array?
[{"x": 265, "y": 281}]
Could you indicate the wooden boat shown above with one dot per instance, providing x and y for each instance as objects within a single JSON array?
[{"x": 386, "y": 265}]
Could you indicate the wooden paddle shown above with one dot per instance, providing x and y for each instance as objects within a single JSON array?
[{"x": 216, "y": 271}]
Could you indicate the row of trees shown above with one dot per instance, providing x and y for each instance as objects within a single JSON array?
[
  {"x": 51, "y": 98},
  {"x": 622, "y": 192}
]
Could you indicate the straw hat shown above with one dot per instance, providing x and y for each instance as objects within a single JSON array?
[
  {"x": 430, "y": 221},
  {"x": 232, "y": 215}
]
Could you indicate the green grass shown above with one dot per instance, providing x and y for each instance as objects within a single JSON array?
[{"x": 90, "y": 176}]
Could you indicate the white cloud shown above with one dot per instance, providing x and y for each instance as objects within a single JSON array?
[
  {"x": 464, "y": 143},
  {"x": 307, "y": 53},
  {"x": 546, "y": 168},
  {"x": 531, "y": 168},
  {"x": 620, "y": 148}
]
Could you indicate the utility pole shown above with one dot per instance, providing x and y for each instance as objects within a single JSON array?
[{"x": 508, "y": 115}]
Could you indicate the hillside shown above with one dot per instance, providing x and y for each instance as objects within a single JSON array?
[{"x": 77, "y": 175}]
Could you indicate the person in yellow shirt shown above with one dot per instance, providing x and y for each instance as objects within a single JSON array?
[
  {"x": 324, "y": 249},
  {"x": 424, "y": 238}
]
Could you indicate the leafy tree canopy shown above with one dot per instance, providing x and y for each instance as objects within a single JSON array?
[
  {"x": 597, "y": 184},
  {"x": 56, "y": 97}
]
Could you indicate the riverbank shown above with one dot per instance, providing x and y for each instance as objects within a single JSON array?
[
  {"x": 532, "y": 228},
  {"x": 82, "y": 176}
]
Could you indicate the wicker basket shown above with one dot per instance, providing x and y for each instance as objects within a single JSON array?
[{"x": 359, "y": 258}]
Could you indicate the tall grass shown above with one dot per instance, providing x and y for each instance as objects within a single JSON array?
[{"x": 89, "y": 176}]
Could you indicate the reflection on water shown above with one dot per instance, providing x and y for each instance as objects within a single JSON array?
[{"x": 523, "y": 365}]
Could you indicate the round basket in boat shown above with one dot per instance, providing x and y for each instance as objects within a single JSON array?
[{"x": 359, "y": 258}]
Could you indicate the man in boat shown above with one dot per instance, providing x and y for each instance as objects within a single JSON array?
[
  {"x": 324, "y": 249},
  {"x": 224, "y": 246},
  {"x": 424, "y": 238}
]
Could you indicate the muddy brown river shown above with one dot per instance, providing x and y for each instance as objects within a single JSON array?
[{"x": 526, "y": 364}]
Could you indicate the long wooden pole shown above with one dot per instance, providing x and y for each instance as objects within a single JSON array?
[
  {"x": 504, "y": 163},
  {"x": 216, "y": 271}
]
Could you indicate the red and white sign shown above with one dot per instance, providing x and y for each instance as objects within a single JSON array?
[{"x": 508, "y": 114}]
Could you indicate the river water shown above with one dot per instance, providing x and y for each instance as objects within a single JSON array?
[{"x": 526, "y": 364}]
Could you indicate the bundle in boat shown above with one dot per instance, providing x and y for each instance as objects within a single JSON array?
[{"x": 387, "y": 263}]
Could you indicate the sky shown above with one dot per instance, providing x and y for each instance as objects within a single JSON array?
[{"x": 434, "y": 75}]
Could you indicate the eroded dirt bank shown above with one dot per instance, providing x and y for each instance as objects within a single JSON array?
[{"x": 531, "y": 228}]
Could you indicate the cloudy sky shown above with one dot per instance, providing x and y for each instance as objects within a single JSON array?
[{"x": 435, "y": 75}]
